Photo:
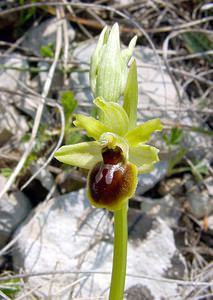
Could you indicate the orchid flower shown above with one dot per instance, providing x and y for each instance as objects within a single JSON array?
[
  {"x": 115, "y": 157},
  {"x": 118, "y": 151}
]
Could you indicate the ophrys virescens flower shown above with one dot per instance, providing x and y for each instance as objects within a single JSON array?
[{"x": 115, "y": 157}]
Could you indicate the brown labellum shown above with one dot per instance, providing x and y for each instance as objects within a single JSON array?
[{"x": 113, "y": 181}]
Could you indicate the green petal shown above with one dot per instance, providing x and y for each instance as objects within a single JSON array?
[
  {"x": 113, "y": 116},
  {"x": 142, "y": 133},
  {"x": 146, "y": 169},
  {"x": 144, "y": 157},
  {"x": 93, "y": 127},
  {"x": 84, "y": 155},
  {"x": 127, "y": 53},
  {"x": 131, "y": 95}
]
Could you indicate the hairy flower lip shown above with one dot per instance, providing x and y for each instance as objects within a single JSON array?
[{"x": 110, "y": 186}]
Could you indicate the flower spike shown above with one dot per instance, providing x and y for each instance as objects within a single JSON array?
[{"x": 109, "y": 65}]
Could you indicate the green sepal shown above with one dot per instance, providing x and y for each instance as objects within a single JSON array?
[
  {"x": 142, "y": 133},
  {"x": 113, "y": 116},
  {"x": 131, "y": 95},
  {"x": 93, "y": 127},
  {"x": 84, "y": 155},
  {"x": 144, "y": 157},
  {"x": 96, "y": 57},
  {"x": 108, "y": 79}
]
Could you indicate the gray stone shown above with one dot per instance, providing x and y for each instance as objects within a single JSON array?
[
  {"x": 209, "y": 185},
  {"x": 167, "y": 208},
  {"x": 148, "y": 181},
  {"x": 12, "y": 124},
  {"x": 28, "y": 104},
  {"x": 139, "y": 292},
  {"x": 57, "y": 81},
  {"x": 65, "y": 233},
  {"x": 44, "y": 176},
  {"x": 44, "y": 34},
  {"x": 13, "y": 73},
  {"x": 155, "y": 86},
  {"x": 200, "y": 203},
  {"x": 13, "y": 210},
  {"x": 13, "y": 78}
]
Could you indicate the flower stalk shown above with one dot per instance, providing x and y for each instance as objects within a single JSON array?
[{"x": 120, "y": 254}]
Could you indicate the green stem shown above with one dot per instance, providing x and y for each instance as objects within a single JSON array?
[{"x": 120, "y": 254}]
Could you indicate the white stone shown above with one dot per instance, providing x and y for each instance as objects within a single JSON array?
[
  {"x": 13, "y": 78},
  {"x": 13, "y": 73},
  {"x": 200, "y": 203},
  {"x": 66, "y": 234},
  {"x": 12, "y": 124},
  {"x": 167, "y": 208},
  {"x": 44, "y": 34},
  {"x": 148, "y": 181},
  {"x": 13, "y": 210},
  {"x": 44, "y": 176}
]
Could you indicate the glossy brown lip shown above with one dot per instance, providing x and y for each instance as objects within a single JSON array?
[{"x": 112, "y": 180}]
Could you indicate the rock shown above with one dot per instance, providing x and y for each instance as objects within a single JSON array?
[
  {"x": 167, "y": 208},
  {"x": 173, "y": 186},
  {"x": 155, "y": 87},
  {"x": 44, "y": 34},
  {"x": 66, "y": 234},
  {"x": 12, "y": 79},
  {"x": 13, "y": 210},
  {"x": 199, "y": 201},
  {"x": 13, "y": 73},
  {"x": 57, "y": 81},
  {"x": 197, "y": 144},
  {"x": 209, "y": 185},
  {"x": 71, "y": 180},
  {"x": 152, "y": 252},
  {"x": 79, "y": 81},
  {"x": 200, "y": 204},
  {"x": 138, "y": 292},
  {"x": 148, "y": 181},
  {"x": 12, "y": 124},
  {"x": 44, "y": 176}
]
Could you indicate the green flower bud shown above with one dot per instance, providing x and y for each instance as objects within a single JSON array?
[{"x": 109, "y": 65}]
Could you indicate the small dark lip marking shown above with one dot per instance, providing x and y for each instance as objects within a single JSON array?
[{"x": 111, "y": 169}]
